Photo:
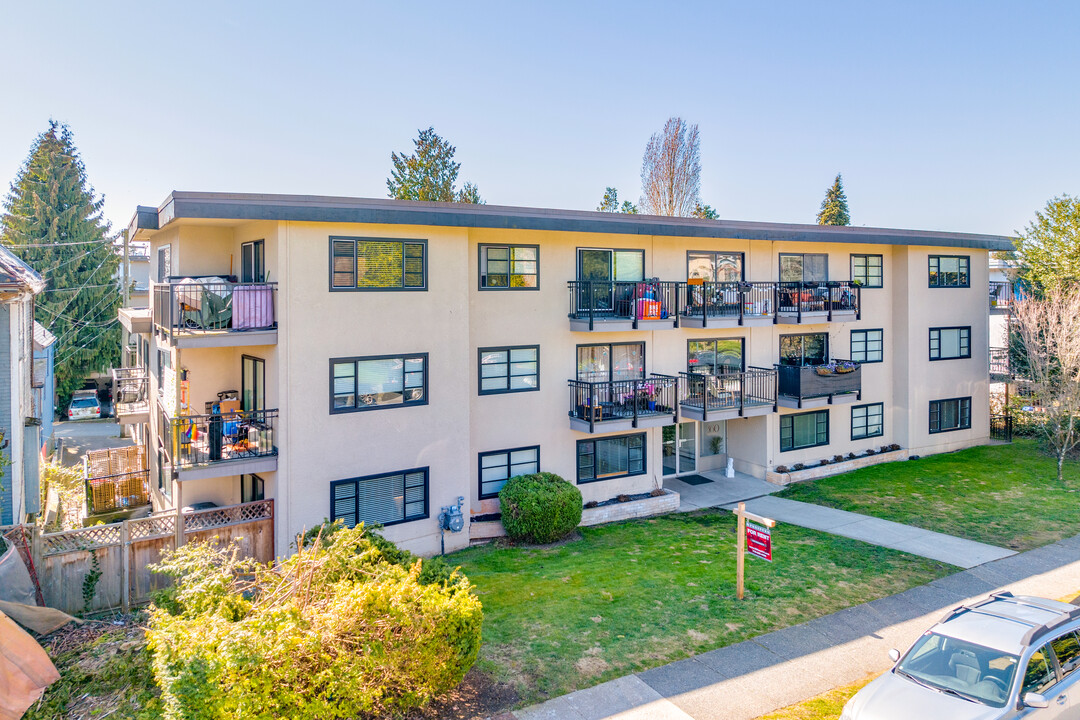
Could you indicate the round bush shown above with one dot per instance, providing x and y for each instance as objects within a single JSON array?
[{"x": 539, "y": 508}]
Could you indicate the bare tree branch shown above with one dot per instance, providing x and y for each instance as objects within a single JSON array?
[{"x": 671, "y": 171}]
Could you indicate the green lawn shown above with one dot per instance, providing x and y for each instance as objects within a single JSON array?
[
  {"x": 1006, "y": 495},
  {"x": 635, "y": 595}
]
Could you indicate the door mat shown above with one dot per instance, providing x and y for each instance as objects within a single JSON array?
[{"x": 694, "y": 479}]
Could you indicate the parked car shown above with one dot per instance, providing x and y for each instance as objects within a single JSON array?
[
  {"x": 1004, "y": 657},
  {"x": 84, "y": 405}
]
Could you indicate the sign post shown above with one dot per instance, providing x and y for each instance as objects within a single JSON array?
[{"x": 758, "y": 536}]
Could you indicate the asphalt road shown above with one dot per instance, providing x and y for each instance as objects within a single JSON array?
[{"x": 78, "y": 436}]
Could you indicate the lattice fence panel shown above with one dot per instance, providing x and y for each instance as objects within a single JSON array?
[
  {"x": 219, "y": 517},
  {"x": 82, "y": 539},
  {"x": 151, "y": 527}
]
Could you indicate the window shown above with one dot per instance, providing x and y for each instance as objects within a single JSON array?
[
  {"x": 164, "y": 263},
  {"x": 714, "y": 266},
  {"x": 867, "y": 346},
  {"x": 377, "y": 264},
  {"x": 603, "y": 363},
  {"x": 253, "y": 261},
  {"x": 866, "y": 270},
  {"x": 804, "y": 430},
  {"x": 812, "y": 349},
  {"x": 1067, "y": 649},
  {"x": 371, "y": 383},
  {"x": 253, "y": 381},
  {"x": 1040, "y": 675},
  {"x": 252, "y": 488},
  {"x": 509, "y": 267},
  {"x": 509, "y": 369},
  {"x": 713, "y": 357},
  {"x": 867, "y": 421},
  {"x": 383, "y": 499},
  {"x": 809, "y": 267},
  {"x": 953, "y": 414},
  {"x": 949, "y": 271},
  {"x": 499, "y": 466},
  {"x": 611, "y": 457},
  {"x": 950, "y": 343},
  {"x": 611, "y": 265}
]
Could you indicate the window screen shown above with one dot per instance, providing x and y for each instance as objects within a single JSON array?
[
  {"x": 382, "y": 499},
  {"x": 509, "y": 267}
]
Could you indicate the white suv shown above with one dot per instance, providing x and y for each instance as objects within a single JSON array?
[{"x": 1004, "y": 657}]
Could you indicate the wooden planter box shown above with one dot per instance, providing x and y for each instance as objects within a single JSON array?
[{"x": 820, "y": 471}]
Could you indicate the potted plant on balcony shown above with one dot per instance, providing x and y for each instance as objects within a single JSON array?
[{"x": 647, "y": 394}]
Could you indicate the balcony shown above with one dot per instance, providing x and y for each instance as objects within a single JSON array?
[
  {"x": 728, "y": 395},
  {"x": 1001, "y": 294},
  {"x": 131, "y": 395},
  {"x": 808, "y": 386},
  {"x": 613, "y": 306},
  {"x": 818, "y": 302},
  {"x": 135, "y": 320},
  {"x": 233, "y": 443},
  {"x": 999, "y": 364},
  {"x": 728, "y": 304},
  {"x": 116, "y": 480},
  {"x": 201, "y": 312},
  {"x": 615, "y": 405}
]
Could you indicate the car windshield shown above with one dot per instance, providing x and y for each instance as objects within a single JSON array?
[
  {"x": 84, "y": 402},
  {"x": 948, "y": 665}
]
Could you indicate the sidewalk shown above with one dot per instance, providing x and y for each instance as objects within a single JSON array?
[{"x": 744, "y": 681}]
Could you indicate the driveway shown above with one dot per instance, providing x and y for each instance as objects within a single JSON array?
[{"x": 78, "y": 436}]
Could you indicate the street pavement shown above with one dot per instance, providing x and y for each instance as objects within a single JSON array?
[{"x": 78, "y": 436}]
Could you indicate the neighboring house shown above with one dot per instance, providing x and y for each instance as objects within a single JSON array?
[
  {"x": 407, "y": 353},
  {"x": 19, "y": 423},
  {"x": 44, "y": 380}
]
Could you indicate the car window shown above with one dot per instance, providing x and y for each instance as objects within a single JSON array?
[
  {"x": 1067, "y": 649},
  {"x": 1040, "y": 675},
  {"x": 84, "y": 402}
]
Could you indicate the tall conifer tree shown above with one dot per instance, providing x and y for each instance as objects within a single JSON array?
[
  {"x": 53, "y": 221},
  {"x": 834, "y": 210}
]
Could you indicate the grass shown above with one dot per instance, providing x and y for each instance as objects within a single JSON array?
[
  {"x": 630, "y": 596},
  {"x": 1005, "y": 495},
  {"x": 826, "y": 706}
]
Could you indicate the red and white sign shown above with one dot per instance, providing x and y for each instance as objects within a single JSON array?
[{"x": 759, "y": 540}]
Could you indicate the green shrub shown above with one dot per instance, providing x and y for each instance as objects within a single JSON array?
[
  {"x": 432, "y": 570},
  {"x": 539, "y": 508},
  {"x": 337, "y": 630}
]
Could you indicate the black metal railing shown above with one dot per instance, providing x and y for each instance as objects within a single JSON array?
[
  {"x": 999, "y": 362},
  {"x": 1000, "y": 294},
  {"x": 754, "y": 387},
  {"x": 1001, "y": 427},
  {"x": 131, "y": 390},
  {"x": 729, "y": 300},
  {"x": 649, "y": 300},
  {"x": 597, "y": 402},
  {"x": 797, "y": 298},
  {"x": 206, "y": 439},
  {"x": 815, "y": 381},
  {"x": 191, "y": 305}
]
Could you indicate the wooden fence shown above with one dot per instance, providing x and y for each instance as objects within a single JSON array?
[{"x": 123, "y": 551}]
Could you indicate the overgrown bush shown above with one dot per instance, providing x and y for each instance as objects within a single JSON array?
[
  {"x": 539, "y": 508},
  {"x": 67, "y": 482},
  {"x": 338, "y": 630}
]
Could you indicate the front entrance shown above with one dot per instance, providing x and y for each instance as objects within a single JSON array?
[{"x": 680, "y": 449}]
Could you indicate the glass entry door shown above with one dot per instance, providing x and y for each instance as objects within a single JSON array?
[{"x": 679, "y": 449}]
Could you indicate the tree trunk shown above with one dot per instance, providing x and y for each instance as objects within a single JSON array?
[{"x": 1061, "y": 462}]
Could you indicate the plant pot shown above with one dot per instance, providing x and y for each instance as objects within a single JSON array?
[{"x": 652, "y": 405}]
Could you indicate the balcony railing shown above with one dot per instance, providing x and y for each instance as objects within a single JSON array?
[
  {"x": 819, "y": 298},
  {"x": 806, "y": 382},
  {"x": 117, "y": 492},
  {"x": 731, "y": 301},
  {"x": 207, "y": 439},
  {"x": 999, "y": 362},
  {"x": 188, "y": 306},
  {"x": 632, "y": 302},
  {"x": 624, "y": 400},
  {"x": 727, "y": 393},
  {"x": 1000, "y": 295},
  {"x": 131, "y": 392}
]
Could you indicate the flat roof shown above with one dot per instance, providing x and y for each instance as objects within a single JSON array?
[{"x": 314, "y": 208}]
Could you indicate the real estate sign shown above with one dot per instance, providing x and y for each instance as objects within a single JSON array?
[{"x": 759, "y": 541}]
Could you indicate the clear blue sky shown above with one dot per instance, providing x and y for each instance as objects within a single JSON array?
[{"x": 940, "y": 115}]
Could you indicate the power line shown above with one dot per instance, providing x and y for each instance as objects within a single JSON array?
[
  {"x": 60, "y": 244},
  {"x": 82, "y": 287}
]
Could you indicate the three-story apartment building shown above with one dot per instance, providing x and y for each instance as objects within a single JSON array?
[{"x": 373, "y": 360}]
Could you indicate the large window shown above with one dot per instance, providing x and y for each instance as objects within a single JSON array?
[
  {"x": 804, "y": 430},
  {"x": 807, "y": 267},
  {"x": 950, "y": 271},
  {"x": 867, "y": 421},
  {"x": 509, "y": 369},
  {"x": 952, "y": 414},
  {"x": 810, "y": 349},
  {"x": 714, "y": 266},
  {"x": 371, "y": 383},
  {"x": 252, "y": 488},
  {"x": 950, "y": 343},
  {"x": 509, "y": 267},
  {"x": 713, "y": 357},
  {"x": 867, "y": 346},
  {"x": 164, "y": 263},
  {"x": 384, "y": 499},
  {"x": 866, "y": 270},
  {"x": 253, "y": 382},
  {"x": 377, "y": 264},
  {"x": 611, "y": 457},
  {"x": 603, "y": 363},
  {"x": 602, "y": 265},
  {"x": 499, "y": 466}
]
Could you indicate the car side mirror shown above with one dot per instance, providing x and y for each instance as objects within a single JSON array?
[
  {"x": 894, "y": 654},
  {"x": 1035, "y": 700}
]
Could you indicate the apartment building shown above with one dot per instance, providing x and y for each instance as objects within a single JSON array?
[{"x": 376, "y": 360}]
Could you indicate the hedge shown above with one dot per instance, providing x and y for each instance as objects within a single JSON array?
[{"x": 539, "y": 508}]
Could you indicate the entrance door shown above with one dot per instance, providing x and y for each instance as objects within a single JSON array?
[
  {"x": 597, "y": 266},
  {"x": 679, "y": 449},
  {"x": 253, "y": 380}
]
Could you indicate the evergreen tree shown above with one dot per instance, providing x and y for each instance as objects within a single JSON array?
[
  {"x": 704, "y": 212},
  {"x": 610, "y": 203},
  {"x": 1048, "y": 250},
  {"x": 430, "y": 173},
  {"x": 52, "y": 220},
  {"x": 834, "y": 209}
]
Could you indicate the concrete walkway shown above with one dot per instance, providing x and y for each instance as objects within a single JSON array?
[{"x": 744, "y": 681}]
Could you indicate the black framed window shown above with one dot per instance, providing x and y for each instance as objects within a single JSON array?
[
  {"x": 498, "y": 466},
  {"x": 253, "y": 261},
  {"x": 950, "y": 343},
  {"x": 804, "y": 267},
  {"x": 713, "y": 357},
  {"x": 804, "y": 430},
  {"x": 252, "y": 488},
  {"x": 386, "y": 499},
  {"x": 164, "y": 263},
  {"x": 377, "y": 382},
  {"x": 809, "y": 349},
  {"x": 253, "y": 382},
  {"x": 867, "y": 270},
  {"x": 509, "y": 369},
  {"x": 377, "y": 264},
  {"x": 950, "y": 271},
  {"x": 714, "y": 266},
  {"x": 606, "y": 265},
  {"x": 509, "y": 267},
  {"x": 617, "y": 361},
  {"x": 612, "y": 457},
  {"x": 867, "y": 421},
  {"x": 951, "y": 414},
  {"x": 867, "y": 346}
]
